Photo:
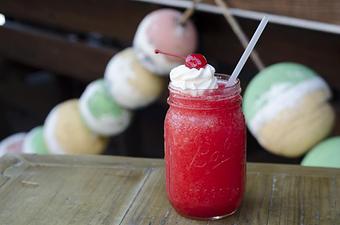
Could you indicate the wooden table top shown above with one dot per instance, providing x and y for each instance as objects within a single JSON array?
[{"x": 92, "y": 190}]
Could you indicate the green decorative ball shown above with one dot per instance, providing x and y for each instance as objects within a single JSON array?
[
  {"x": 325, "y": 154},
  {"x": 287, "y": 110}
]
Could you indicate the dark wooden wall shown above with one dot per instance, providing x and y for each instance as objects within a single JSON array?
[{"x": 75, "y": 39}]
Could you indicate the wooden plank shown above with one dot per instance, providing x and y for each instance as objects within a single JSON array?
[
  {"x": 318, "y": 10},
  {"x": 270, "y": 199},
  {"x": 108, "y": 161},
  {"x": 5, "y": 163},
  {"x": 287, "y": 169},
  {"x": 75, "y": 14},
  {"x": 104, "y": 17},
  {"x": 153, "y": 207},
  {"x": 301, "y": 23},
  {"x": 55, "y": 53},
  {"x": 336, "y": 192},
  {"x": 69, "y": 194},
  {"x": 120, "y": 190},
  {"x": 255, "y": 206},
  {"x": 95, "y": 160}
]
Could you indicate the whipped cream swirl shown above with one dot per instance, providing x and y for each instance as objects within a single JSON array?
[{"x": 186, "y": 78}]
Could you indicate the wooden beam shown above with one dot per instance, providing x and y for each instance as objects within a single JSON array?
[
  {"x": 116, "y": 19},
  {"x": 54, "y": 53},
  {"x": 87, "y": 14},
  {"x": 318, "y": 10},
  {"x": 209, "y": 7}
]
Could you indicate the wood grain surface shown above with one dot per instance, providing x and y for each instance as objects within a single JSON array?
[{"x": 106, "y": 190}]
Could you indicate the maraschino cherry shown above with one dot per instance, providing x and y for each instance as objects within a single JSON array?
[{"x": 196, "y": 61}]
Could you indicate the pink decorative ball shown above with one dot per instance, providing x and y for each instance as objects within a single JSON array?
[{"x": 162, "y": 30}]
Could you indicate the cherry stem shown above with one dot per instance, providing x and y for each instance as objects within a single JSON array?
[{"x": 157, "y": 51}]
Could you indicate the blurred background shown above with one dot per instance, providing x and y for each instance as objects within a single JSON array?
[{"x": 51, "y": 50}]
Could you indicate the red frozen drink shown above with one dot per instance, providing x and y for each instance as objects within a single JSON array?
[{"x": 205, "y": 141}]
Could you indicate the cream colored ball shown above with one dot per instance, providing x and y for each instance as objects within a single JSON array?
[
  {"x": 66, "y": 133},
  {"x": 287, "y": 110},
  {"x": 294, "y": 131},
  {"x": 129, "y": 83}
]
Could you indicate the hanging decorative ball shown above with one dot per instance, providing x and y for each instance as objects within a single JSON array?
[
  {"x": 130, "y": 84},
  {"x": 34, "y": 142},
  {"x": 287, "y": 110},
  {"x": 161, "y": 29},
  {"x": 101, "y": 112},
  {"x": 66, "y": 133}
]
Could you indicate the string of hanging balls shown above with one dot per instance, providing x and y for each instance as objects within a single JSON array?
[
  {"x": 133, "y": 78},
  {"x": 286, "y": 105}
]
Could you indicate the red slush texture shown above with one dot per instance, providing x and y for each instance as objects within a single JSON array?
[{"x": 205, "y": 155}]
